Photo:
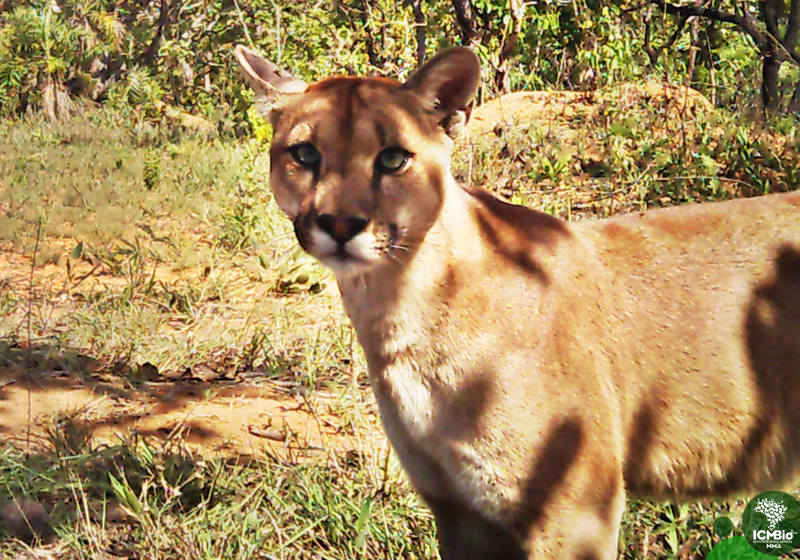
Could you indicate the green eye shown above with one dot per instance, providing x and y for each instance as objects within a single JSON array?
[
  {"x": 392, "y": 159},
  {"x": 306, "y": 155}
]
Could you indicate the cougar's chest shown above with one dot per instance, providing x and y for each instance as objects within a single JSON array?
[
  {"x": 405, "y": 395},
  {"x": 417, "y": 371},
  {"x": 408, "y": 369},
  {"x": 399, "y": 348},
  {"x": 406, "y": 408}
]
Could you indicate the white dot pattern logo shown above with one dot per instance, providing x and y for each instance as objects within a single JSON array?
[{"x": 773, "y": 511}]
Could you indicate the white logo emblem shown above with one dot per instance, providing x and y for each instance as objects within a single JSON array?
[{"x": 773, "y": 510}]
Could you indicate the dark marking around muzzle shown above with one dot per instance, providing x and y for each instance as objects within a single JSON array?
[{"x": 342, "y": 228}]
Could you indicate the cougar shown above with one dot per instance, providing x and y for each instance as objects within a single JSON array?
[{"x": 532, "y": 372}]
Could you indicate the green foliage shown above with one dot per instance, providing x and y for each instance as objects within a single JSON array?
[
  {"x": 137, "y": 89},
  {"x": 38, "y": 48},
  {"x": 125, "y": 54},
  {"x": 152, "y": 169},
  {"x": 629, "y": 148},
  {"x": 138, "y": 57}
]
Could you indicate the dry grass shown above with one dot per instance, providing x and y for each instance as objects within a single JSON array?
[{"x": 622, "y": 149}]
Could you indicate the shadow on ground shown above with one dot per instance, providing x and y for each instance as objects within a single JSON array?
[{"x": 41, "y": 384}]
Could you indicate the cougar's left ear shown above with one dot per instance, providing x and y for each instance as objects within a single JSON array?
[
  {"x": 270, "y": 83},
  {"x": 448, "y": 82}
]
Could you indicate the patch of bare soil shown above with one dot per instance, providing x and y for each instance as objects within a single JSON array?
[
  {"x": 226, "y": 418},
  {"x": 526, "y": 109},
  {"x": 212, "y": 409}
]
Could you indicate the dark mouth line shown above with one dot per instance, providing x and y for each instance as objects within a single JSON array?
[{"x": 343, "y": 256}]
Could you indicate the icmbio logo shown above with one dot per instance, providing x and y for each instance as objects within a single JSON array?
[
  {"x": 771, "y": 523},
  {"x": 770, "y": 527}
]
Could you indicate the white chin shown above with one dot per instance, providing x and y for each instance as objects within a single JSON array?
[
  {"x": 358, "y": 257},
  {"x": 347, "y": 267}
]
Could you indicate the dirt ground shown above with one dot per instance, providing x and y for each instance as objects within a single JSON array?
[
  {"x": 217, "y": 417},
  {"x": 527, "y": 109},
  {"x": 41, "y": 385}
]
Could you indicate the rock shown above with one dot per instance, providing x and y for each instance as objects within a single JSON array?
[{"x": 26, "y": 520}]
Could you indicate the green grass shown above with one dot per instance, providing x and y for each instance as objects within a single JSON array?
[
  {"x": 156, "y": 246},
  {"x": 628, "y": 151},
  {"x": 141, "y": 501},
  {"x": 178, "y": 266}
]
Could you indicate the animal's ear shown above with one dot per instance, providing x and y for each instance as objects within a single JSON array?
[
  {"x": 269, "y": 82},
  {"x": 448, "y": 82}
]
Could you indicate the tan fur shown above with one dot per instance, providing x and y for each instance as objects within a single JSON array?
[{"x": 530, "y": 371}]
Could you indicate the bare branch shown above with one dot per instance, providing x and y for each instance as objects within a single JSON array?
[
  {"x": 766, "y": 43},
  {"x": 365, "y": 14},
  {"x": 744, "y": 20},
  {"x": 653, "y": 53},
  {"x": 517, "y": 12},
  {"x": 148, "y": 57}
]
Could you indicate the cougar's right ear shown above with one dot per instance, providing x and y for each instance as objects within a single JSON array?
[
  {"x": 446, "y": 84},
  {"x": 270, "y": 83}
]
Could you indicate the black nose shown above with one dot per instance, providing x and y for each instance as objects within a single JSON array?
[{"x": 341, "y": 228}]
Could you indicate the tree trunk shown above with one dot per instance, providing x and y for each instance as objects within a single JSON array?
[
  {"x": 794, "y": 106},
  {"x": 793, "y": 27},
  {"x": 707, "y": 44},
  {"x": 771, "y": 65},
  {"x": 148, "y": 57},
  {"x": 420, "y": 28},
  {"x": 773, "y": 47},
  {"x": 365, "y": 14},
  {"x": 465, "y": 16},
  {"x": 501, "y": 78}
]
